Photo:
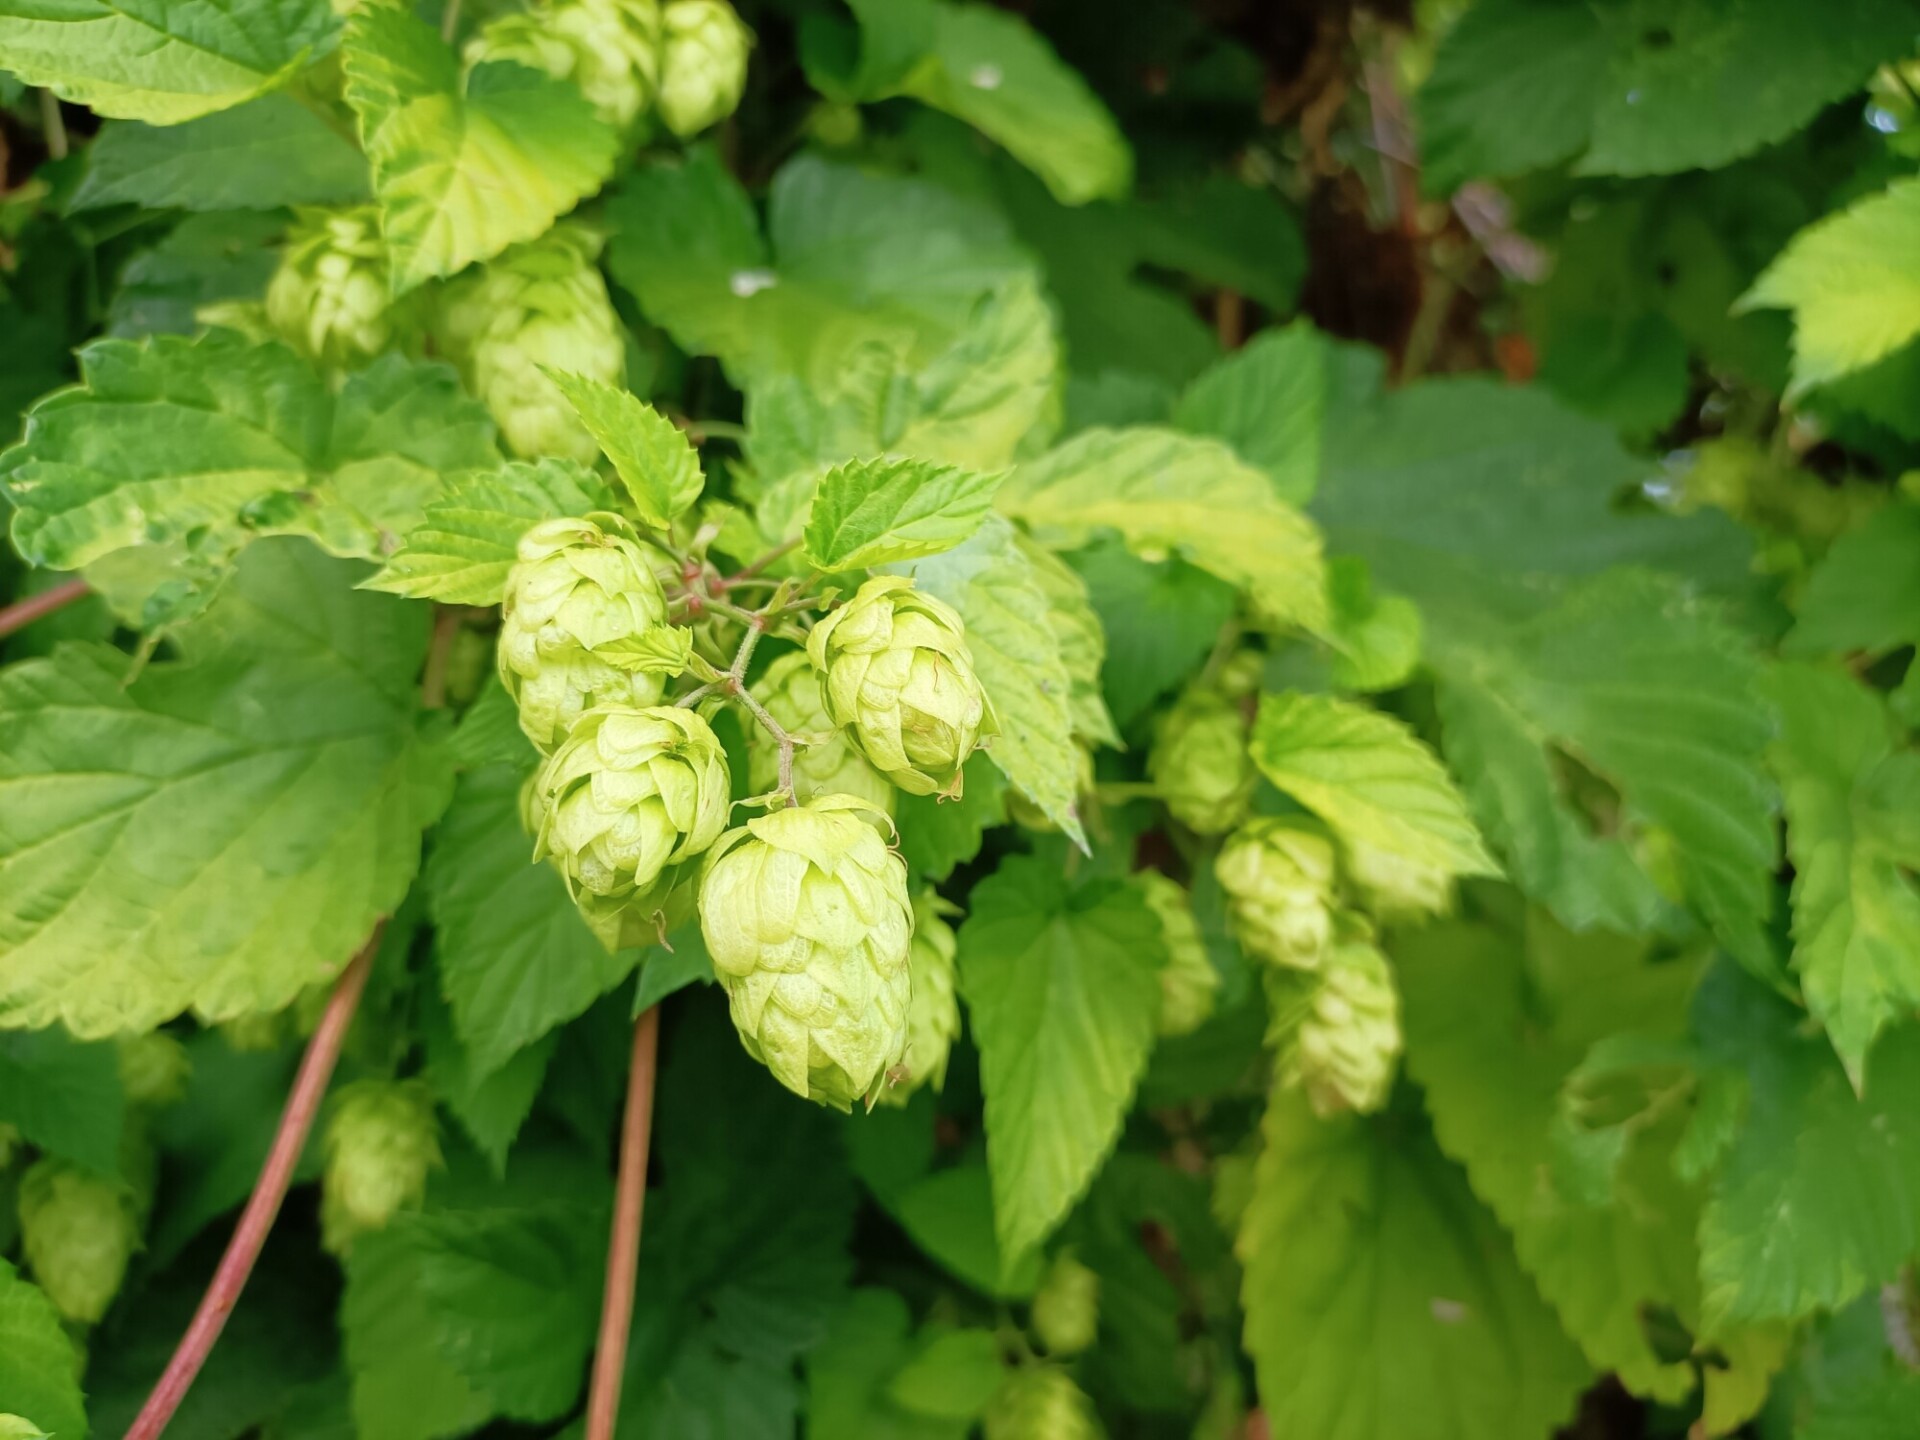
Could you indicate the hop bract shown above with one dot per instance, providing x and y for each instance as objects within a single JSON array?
[
  {"x": 703, "y": 65},
  {"x": 806, "y": 916},
  {"x": 933, "y": 1019},
  {"x": 898, "y": 674},
  {"x": 380, "y": 1143},
  {"x": 629, "y": 794},
  {"x": 790, "y": 691},
  {"x": 542, "y": 303},
  {"x": 1066, "y": 1307},
  {"x": 1041, "y": 1402},
  {"x": 78, "y": 1230},
  {"x": 1188, "y": 981},
  {"x": 1199, "y": 762},
  {"x": 329, "y": 299},
  {"x": 1278, "y": 875},
  {"x": 579, "y": 588},
  {"x": 1345, "y": 1045},
  {"x": 609, "y": 49}
]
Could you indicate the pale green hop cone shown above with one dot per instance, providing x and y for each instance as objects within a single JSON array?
[
  {"x": 329, "y": 299},
  {"x": 1041, "y": 1402},
  {"x": 806, "y": 916},
  {"x": 78, "y": 1230},
  {"x": 1066, "y": 1307},
  {"x": 1200, "y": 763},
  {"x": 1278, "y": 875},
  {"x": 703, "y": 64},
  {"x": 1188, "y": 981},
  {"x": 579, "y": 590},
  {"x": 1346, "y": 1044},
  {"x": 608, "y": 49},
  {"x": 543, "y": 303},
  {"x": 381, "y": 1141},
  {"x": 154, "y": 1069},
  {"x": 896, "y": 671},
  {"x": 790, "y": 691},
  {"x": 933, "y": 1019}
]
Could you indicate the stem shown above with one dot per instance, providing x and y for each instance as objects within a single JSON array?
[
  {"x": 433, "y": 678},
  {"x": 450, "y": 21},
  {"x": 23, "y": 613},
  {"x": 303, "y": 1103},
  {"x": 53, "y": 125},
  {"x": 765, "y": 560},
  {"x": 623, "y": 1247}
]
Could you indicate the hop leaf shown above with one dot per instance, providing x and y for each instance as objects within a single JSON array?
[
  {"x": 806, "y": 916},
  {"x": 380, "y": 1144},
  {"x": 579, "y": 589},
  {"x": 933, "y": 1017},
  {"x": 609, "y": 49},
  {"x": 897, "y": 672},
  {"x": 9, "y": 1142},
  {"x": 329, "y": 298},
  {"x": 154, "y": 1069},
  {"x": 1200, "y": 763},
  {"x": 1041, "y": 1402},
  {"x": 16, "y": 1427},
  {"x": 78, "y": 1230},
  {"x": 1278, "y": 875},
  {"x": 1345, "y": 1039},
  {"x": 629, "y": 794},
  {"x": 1066, "y": 1307},
  {"x": 703, "y": 66},
  {"x": 1188, "y": 981},
  {"x": 830, "y": 765},
  {"x": 1396, "y": 886},
  {"x": 540, "y": 304},
  {"x": 1025, "y": 811}
]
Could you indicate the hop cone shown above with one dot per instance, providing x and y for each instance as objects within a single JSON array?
[
  {"x": 629, "y": 793},
  {"x": 703, "y": 64},
  {"x": 806, "y": 916},
  {"x": 1041, "y": 1402},
  {"x": 1347, "y": 1035},
  {"x": 16, "y": 1427},
  {"x": 329, "y": 298},
  {"x": 1396, "y": 888},
  {"x": 154, "y": 1069},
  {"x": 933, "y": 1018},
  {"x": 78, "y": 1230},
  {"x": 580, "y": 588},
  {"x": 898, "y": 674},
  {"x": 380, "y": 1144},
  {"x": 1278, "y": 875},
  {"x": 790, "y": 690},
  {"x": 1066, "y": 1308},
  {"x": 1188, "y": 982},
  {"x": 543, "y": 303},
  {"x": 609, "y": 49},
  {"x": 1199, "y": 762}
]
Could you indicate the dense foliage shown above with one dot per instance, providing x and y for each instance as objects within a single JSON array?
[{"x": 1233, "y": 682}]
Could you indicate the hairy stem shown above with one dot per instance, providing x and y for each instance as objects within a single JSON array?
[
  {"x": 23, "y": 613},
  {"x": 623, "y": 1247},
  {"x": 433, "y": 678},
  {"x": 765, "y": 560},
  {"x": 303, "y": 1104},
  {"x": 53, "y": 125},
  {"x": 450, "y": 21}
]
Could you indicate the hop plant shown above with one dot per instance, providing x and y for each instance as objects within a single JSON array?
[
  {"x": 1041, "y": 1402},
  {"x": 1022, "y": 809},
  {"x": 543, "y": 303},
  {"x": 18, "y": 1427},
  {"x": 933, "y": 1018},
  {"x": 1278, "y": 875},
  {"x": 380, "y": 1143},
  {"x": 703, "y": 64},
  {"x": 580, "y": 589},
  {"x": 78, "y": 1230},
  {"x": 1066, "y": 1307},
  {"x": 1188, "y": 981},
  {"x": 9, "y": 1142},
  {"x": 329, "y": 298},
  {"x": 1345, "y": 1036},
  {"x": 897, "y": 673},
  {"x": 608, "y": 49},
  {"x": 154, "y": 1069},
  {"x": 1396, "y": 888},
  {"x": 806, "y": 916},
  {"x": 1199, "y": 762},
  {"x": 790, "y": 691},
  {"x": 629, "y": 794}
]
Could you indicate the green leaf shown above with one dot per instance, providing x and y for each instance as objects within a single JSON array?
[
  {"x": 259, "y": 156},
  {"x": 63, "y": 1096},
  {"x": 1063, "y": 989},
  {"x": 1819, "y": 1199},
  {"x": 1382, "y": 1302},
  {"x": 1370, "y": 778},
  {"x": 652, "y": 455},
  {"x": 1268, "y": 401},
  {"x": 1083, "y": 644},
  {"x": 205, "y": 259},
  {"x": 1876, "y": 1410},
  {"x": 199, "y": 446},
  {"x": 1166, "y": 491},
  {"x": 463, "y": 167},
  {"x": 39, "y": 1370},
  {"x": 515, "y": 958},
  {"x": 953, "y": 1376},
  {"x": 490, "y": 1105},
  {"x": 870, "y": 1380},
  {"x": 1161, "y": 620},
  {"x": 1853, "y": 834},
  {"x": 950, "y": 1215},
  {"x": 938, "y": 834},
  {"x": 991, "y": 70},
  {"x": 1865, "y": 595},
  {"x": 157, "y": 61},
  {"x": 867, "y": 513},
  {"x": 467, "y": 537},
  {"x": 993, "y": 583},
  {"x": 266, "y": 791}
]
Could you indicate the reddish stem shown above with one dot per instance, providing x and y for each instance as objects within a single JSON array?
[
  {"x": 623, "y": 1248},
  {"x": 23, "y": 613},
  {"x": 309, "y": 1087}
]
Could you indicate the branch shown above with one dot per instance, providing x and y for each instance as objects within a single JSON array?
[
  {"x": 309, "y": 1087},
  {"x": 623, "y": 1247},
  {"x": 23, "y": 613}
]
